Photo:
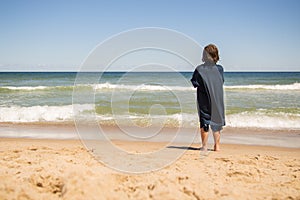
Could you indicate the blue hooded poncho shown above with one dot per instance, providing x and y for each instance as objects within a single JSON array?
[{"x": 210, "y": 98}]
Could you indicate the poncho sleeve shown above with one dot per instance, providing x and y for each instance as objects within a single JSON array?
[{"x": 195, "y": 79}]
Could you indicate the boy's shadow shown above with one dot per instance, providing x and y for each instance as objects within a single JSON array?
[{"x": 187, "y": 148}]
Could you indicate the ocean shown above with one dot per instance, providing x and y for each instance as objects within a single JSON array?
[{"x": 268, "y": 100}]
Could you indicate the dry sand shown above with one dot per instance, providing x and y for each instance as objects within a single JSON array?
[{"x": 64, "y": 169}]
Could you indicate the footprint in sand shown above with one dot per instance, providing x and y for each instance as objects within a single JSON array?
[
  {"x": 224, "y": 159},
  {"x": 238, "y": 173},
  {"x": 48, "y": 183}
]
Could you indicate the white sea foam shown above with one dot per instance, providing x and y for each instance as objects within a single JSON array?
[
  {"x": 141, "y": 87},
  {"x": 26, "y": 88},
  {"x": 258, "y": 119},
  {"x": 19, "y": 114},
  {"x": 294, "y": 86},
  {"x": 261, "y": 120},
  {"x": 40, "y": 113},
  {"x": 32, "y": 88},
  {"x": 104, "y": 86}
]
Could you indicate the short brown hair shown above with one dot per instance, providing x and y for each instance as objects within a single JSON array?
[{"x": 210, "y": 54}]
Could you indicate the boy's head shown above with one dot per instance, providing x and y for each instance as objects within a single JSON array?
[{"x": 210, "y": 54}]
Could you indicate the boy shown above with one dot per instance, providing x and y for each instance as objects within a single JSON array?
[{"x": 208, "y": 78}]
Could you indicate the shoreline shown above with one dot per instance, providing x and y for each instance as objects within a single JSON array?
[
  {"x": 245, "y": 136},
  {"x": 193, "y": 146}
]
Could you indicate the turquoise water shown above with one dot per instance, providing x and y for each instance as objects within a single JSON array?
[{"x": 253, "y": 99}]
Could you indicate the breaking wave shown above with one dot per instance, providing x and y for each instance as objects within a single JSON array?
[
  {"x": 255, "y": 119},
  {"x": 144, "y": 87}
]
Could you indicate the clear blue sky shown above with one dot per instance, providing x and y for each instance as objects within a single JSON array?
[{"x": 58, "y": 34}]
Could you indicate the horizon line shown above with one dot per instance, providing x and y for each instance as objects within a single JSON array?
[{"x": 74, "y": 71}]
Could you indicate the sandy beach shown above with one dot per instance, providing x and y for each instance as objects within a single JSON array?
[
  {"x": 112, "y": 100},
  {"x": 64, "y": 169}
]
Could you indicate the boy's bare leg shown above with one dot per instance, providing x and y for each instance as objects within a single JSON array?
[
  {"x": 204, "y": 138},
  {"x": 217, "y": 136}
]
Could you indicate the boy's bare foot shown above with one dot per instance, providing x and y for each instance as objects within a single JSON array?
[
  {"x": 203, "y": 149},
  {"x": 216, "y": 147},
  {"x": 203, "y": 152}
]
